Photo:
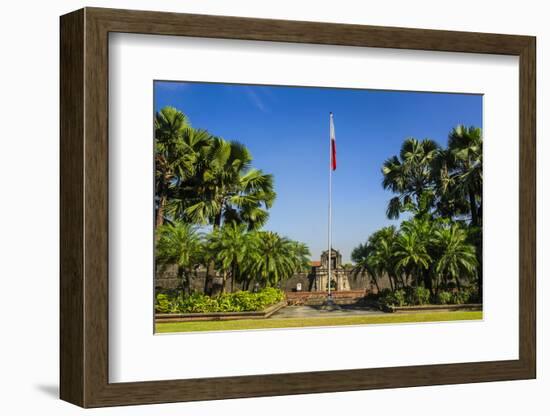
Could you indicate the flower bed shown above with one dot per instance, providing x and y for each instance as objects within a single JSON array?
[
  {"x": 218, "y": 316},
  {"x": 168, "y": 303}
]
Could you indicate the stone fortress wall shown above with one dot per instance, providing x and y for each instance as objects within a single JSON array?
[{"x": 311, "y": 281}]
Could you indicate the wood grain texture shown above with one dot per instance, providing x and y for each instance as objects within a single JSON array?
[
  {"x": 71, "y": 217},
  {"x": 162, "y": 23},
  {"x": 84, "y": 207},
  {"x": 527, "y": 208}
]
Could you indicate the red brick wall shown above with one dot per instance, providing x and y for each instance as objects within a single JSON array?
[{"x": 301, "y": 298}]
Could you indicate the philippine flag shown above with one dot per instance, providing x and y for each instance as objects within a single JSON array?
[{"x": 332, "y": 144}]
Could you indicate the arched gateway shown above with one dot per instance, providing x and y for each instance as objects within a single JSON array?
[{"x": 338, "y": 273}]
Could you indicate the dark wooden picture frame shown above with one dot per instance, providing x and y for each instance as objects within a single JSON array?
[{"x": 84, "y": 207}]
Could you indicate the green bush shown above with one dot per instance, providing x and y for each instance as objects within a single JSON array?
[
  {"x": 396, "y": 298},
  {"x": 465, "y": 296},
  {"x": 165, "y": 303},
  {"x": 444, "y": 298},
  {"x": 197, "y": 303},
  {"x": 384, "y": 292},
  {"x": 406, "y": 297},
  {"x": 384, "y": 297},
  {"x": 421, "y": 296},
  {"x": 417, "y": 296},
  {"x": 386, "y": 300},
  {"x": 399, "y": 296},
  {"x": 226, "y": 302},
  {"x": 459, "y": 297}
]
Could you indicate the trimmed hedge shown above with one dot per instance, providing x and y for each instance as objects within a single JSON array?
[{"x": 226, "y": 302}]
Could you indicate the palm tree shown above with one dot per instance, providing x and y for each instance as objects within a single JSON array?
[
  {"x": 362, "y": 256},
  {"x": 450, "y": 204},
  {"x": 195, "y": 145},
  {"x": 225, "y": 188},
  {"x": 180, "y": 244},
  {"x": 274, "y": 259},
  {"x": 458, "y": 175},
  {"x": 300, "y": 255},
  {"x": 169, "y": 154},
  {"x": 229, "y": 246},
  {"x": 422, "y": 227},
  {"x": 461, "y": 173},
  {"x": 456, "y": 257},
  {"x": 411, "y": 254},
  {"x": 376, "y": 256},
  {"x": 383, "y": 242},
  {"x": 466, "y": 147},
  {"x": 409, "y": 175}
]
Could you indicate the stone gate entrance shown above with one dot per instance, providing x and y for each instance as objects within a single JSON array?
[{"x": 339, "y": 276}]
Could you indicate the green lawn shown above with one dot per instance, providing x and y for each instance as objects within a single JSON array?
[{"x": 389, "y": 318}]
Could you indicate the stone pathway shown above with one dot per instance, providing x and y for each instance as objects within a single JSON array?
[{"x": 316, "y": 311}]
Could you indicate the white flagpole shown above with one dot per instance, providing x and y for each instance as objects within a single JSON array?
[{"x": 330, "y": 205}]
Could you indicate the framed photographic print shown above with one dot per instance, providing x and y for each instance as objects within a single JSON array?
[{"x": 255, "y": 207}]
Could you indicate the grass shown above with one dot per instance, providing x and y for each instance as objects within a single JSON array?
[{"x": 321, "y": 321}]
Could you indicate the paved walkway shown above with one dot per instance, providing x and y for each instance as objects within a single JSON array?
[{"x": 316, "y": 311}]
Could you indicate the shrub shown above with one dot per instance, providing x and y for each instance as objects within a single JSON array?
[
  {"x": 165, "y": 304},
  {"x": 417, "y": 295},
  {"x": 384, "y": 298},
  {"x": 466, "y": 295},
  {"x": 444, "y": 298},
  {"x": 226, "y": 302},
  {"x": 197, "y": 303},
  {"x": 460, "y": 297},
  {"x": 396, "y": 298},
  {"x": 399, "y": 296},
  {"x": 384, "y": 292},
  {"x": 421, "y": 296}
]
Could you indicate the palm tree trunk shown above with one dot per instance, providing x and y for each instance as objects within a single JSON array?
[
  {"x": 473, "y": 208},
  {"x": 479, "y": 273},
  {"x": 206, "y": 281},
  {"x": 224, "y": 279},
  {"x": 233, "y": 275},
  {"x": 218, "y": 220},
  {"x": 195, "y": 277},
  {"x": 160, "y": 213},
  {"x": 476, "y": 216},
  {"x": 428, "y": 282},
  {"x": 479, "y": 256},
  {"x": 210, "y": 269},
  {"x": 181, "y": 276},
  {"x": 375, "y": 283},
  {"x": 395, "y": 282},
  {"x": 457, "y": 280}
]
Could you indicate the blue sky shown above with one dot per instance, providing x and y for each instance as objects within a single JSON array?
[{"x": 287, "y": 132}]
